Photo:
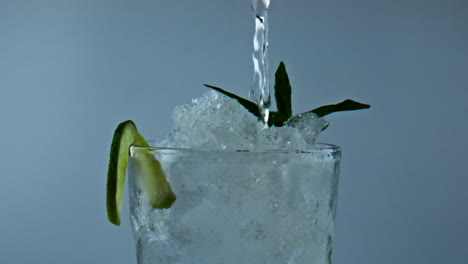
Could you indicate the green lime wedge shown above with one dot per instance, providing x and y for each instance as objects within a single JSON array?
[{"x": 150, "y": 175}]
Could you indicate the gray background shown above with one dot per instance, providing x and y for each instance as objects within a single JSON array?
[{"x": 70, "y": 71}]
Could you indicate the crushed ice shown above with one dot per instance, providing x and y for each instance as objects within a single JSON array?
[{"x": 215, "y": 121}]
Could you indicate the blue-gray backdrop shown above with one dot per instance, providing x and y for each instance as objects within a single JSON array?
[{"x": 70, "y": 71}]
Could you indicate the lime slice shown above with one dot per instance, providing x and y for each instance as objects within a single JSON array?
[{"x": 151, "y": 177}]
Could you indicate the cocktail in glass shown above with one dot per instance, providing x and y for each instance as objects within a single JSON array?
[{"x": 239, "y": 206}]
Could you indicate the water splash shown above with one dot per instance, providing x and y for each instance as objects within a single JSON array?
[{"x": 260, "y": 90}]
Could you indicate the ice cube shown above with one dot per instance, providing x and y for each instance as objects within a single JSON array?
[
  {"x": 212, "y": 121},
  {"x": 309, "y": 125},
  {"x": 215, "y": 121}
]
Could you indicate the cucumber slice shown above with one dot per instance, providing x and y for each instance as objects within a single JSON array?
[{"x": 152, "y": 179}]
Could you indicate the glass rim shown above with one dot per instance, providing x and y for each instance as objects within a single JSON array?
[{"x": 315, "y": 148}]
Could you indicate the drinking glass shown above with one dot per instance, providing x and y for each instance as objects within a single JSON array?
[{"x": 239, "y": 206}]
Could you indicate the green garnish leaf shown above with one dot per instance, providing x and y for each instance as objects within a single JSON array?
[
  {"x": 283, "y": 91},
  {"x": 276, "y": 119},
  {"x": 250, "y": 106},
  {"x": 283, "y": 101},
  {"x": 346, "y": 105}
]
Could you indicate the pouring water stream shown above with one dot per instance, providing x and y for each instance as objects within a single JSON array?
[{"x": 260, "y": 90}]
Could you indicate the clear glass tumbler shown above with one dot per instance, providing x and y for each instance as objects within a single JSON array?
[{"x": 244, "y": 206}]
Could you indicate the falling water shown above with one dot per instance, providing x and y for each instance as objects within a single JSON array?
[{"x": 260, "y": 90}]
